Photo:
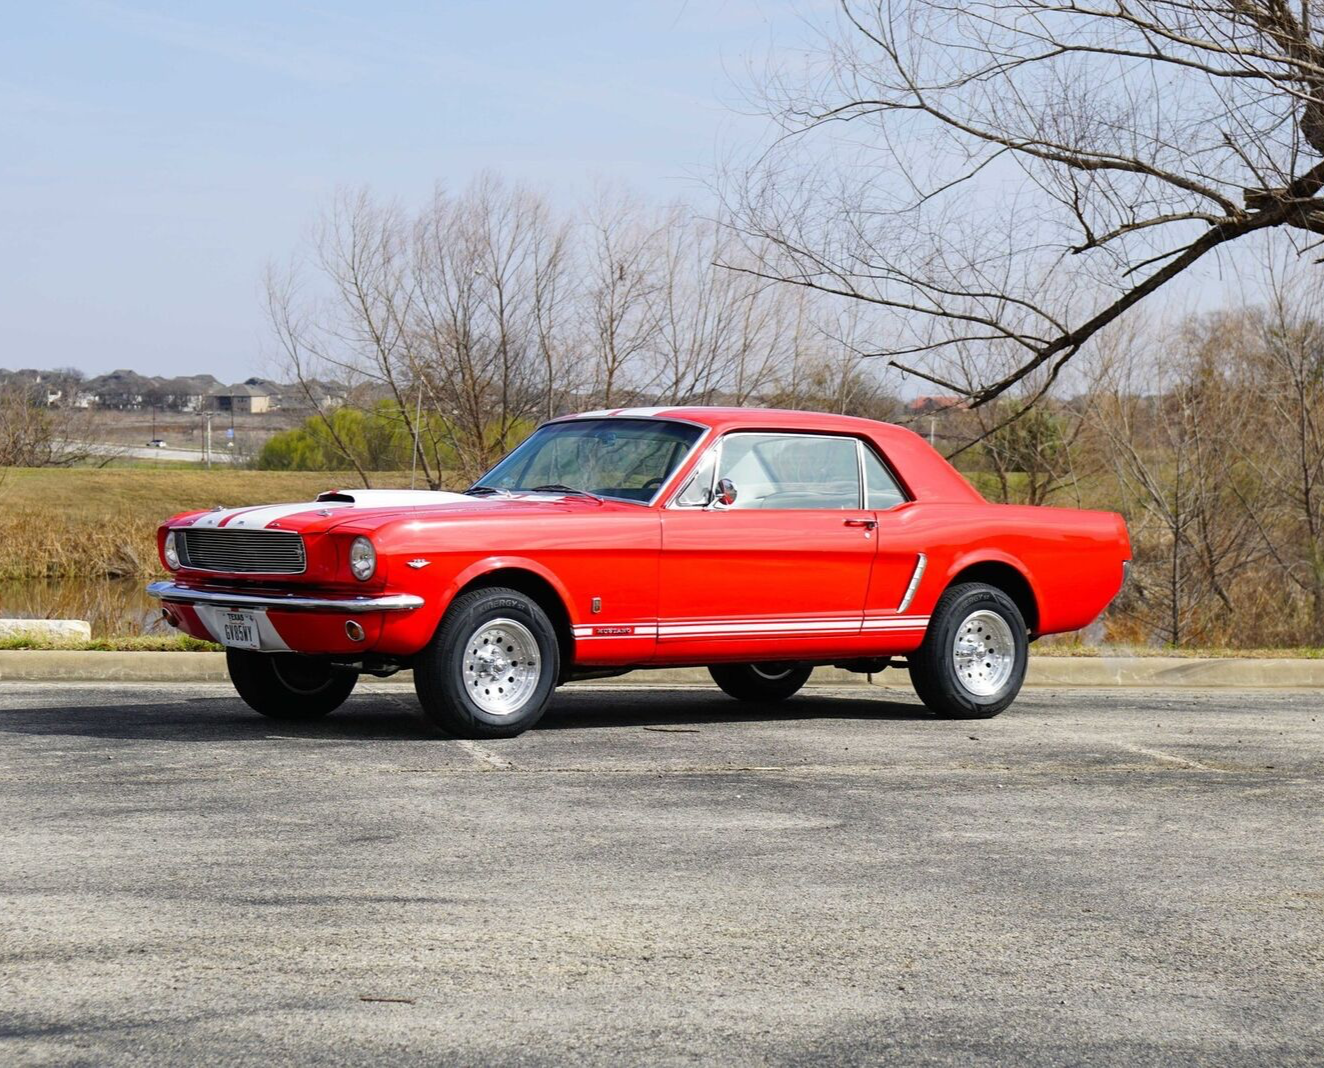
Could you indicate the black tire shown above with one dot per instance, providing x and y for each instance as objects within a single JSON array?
[
  {"x": 956, "y": 693},
  {"x": 288, "y": 686},
  {"x": 453, "y": 680},
  {"x": 760, "y": 683}
]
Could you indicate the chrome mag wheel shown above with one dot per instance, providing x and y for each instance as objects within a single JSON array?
[
  {"x": 502, "y": 666},
  {"x": 983, "y": 653}
]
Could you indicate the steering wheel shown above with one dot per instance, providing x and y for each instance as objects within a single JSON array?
[{"x": 652, "y": 485}]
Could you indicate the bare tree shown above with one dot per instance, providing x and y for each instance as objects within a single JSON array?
[
  {"x": 299, "y": 358},
  {"x": 1284, "y": 373},
  {"x": 620, "y": 274},
  {"x": 32, "y": 434},
  {"x": 715, "y": 333},
  {"x": 1172, "y": 422},
  {"x": 448, "y": 324},
  {"x": 488, "y": 295},
  {"x": 1025, "y": 173}
]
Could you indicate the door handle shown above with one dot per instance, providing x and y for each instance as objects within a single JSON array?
[{"x": 868, "y": 524}]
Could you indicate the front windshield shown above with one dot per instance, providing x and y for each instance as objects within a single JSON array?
[{"x": 626, "y": 459}]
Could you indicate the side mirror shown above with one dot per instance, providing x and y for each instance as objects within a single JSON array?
[{"x": 725, "y": 493}]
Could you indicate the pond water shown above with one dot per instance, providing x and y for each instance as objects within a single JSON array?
[{"x": 113, "y": 606}]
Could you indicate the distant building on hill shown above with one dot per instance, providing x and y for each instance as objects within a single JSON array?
[
  {"x": 314, "y": 393},
  {"x": 240, "y": 399},
  {"x": 186, "y": 393},
  {"x": 931, "y": 405}
]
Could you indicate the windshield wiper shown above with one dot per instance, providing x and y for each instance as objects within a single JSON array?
[
  {"x": 559, "y": 487},
  {"x": 483, "y": 491}
]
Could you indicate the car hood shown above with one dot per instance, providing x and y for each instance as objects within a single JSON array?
[{"x": 369, "y": 508}]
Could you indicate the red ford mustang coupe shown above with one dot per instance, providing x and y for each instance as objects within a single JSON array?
[{"x": 756, "y": 543}]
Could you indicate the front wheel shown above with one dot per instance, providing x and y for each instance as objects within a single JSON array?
[
  {"x": 288, "y": 686},
  {"x": 760, "y": 683},
  {"x": 490, "y": 669},
  {"x": 973, "y": 659}
]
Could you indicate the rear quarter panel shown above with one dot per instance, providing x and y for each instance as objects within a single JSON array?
[{"x": 1071, "y": 559}]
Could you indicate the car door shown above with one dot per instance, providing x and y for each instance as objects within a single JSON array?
[{"x": 782, "y": 570}]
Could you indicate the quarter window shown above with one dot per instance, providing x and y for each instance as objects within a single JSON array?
[
  {"x": 880, "y": 489},
  {"x": 798, "y": 471}
]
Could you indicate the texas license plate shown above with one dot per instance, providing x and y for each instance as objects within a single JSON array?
[{"x": 239, "y": 630}]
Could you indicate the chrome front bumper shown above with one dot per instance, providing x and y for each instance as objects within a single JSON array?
[{"x": 172, "y": 593}]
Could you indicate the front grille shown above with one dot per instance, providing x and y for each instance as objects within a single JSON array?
[{"x": 263, "y": 552}]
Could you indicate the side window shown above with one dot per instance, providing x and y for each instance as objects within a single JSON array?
[
  {"x": 881, "y": 490},
  {"x": 698, "y": 490},
  {"x": 791, "y": 471}
]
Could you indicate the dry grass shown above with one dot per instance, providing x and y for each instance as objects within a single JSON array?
[
  {"x": 1069, "y": 648},
  {"x": 90, "y": 523},
  {"x": 139, "y": 643}
]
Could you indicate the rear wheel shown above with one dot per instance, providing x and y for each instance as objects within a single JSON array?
[
  {"x": 973, "y": 659},
  {"x": 761, "y": 683},
  {"x": 491, "y": 668},
  {"x": 288, "y": 686}
]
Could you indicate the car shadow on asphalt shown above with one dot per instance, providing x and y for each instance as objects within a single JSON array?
[
  {"x": 654, "y": 708},
  {"x": 379, "y": 717}
]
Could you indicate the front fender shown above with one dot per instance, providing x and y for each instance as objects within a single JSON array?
[{"x": 485, "y": 566}]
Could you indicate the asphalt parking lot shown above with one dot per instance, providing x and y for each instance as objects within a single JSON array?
[{"x": 662, "y": 876}]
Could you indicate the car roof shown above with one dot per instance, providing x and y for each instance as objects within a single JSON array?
[
  {"x": 724, "y": 418},
  {"x": 926, "y": 474}
]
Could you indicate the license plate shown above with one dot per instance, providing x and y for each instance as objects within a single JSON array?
[{"x": 239, "y": 630}]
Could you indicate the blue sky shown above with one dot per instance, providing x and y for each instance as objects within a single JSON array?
[{"x": 154, "y": 156}]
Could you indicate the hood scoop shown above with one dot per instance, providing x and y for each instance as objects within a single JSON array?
[{"x": 369, "y": 498}]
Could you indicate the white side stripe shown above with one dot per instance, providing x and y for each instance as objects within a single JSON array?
[{"x": 696, "y": 628}]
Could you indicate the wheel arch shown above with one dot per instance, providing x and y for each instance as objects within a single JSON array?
[
  {"x": 1006, "y": 576},
  {"x": 533, "y": 583}
]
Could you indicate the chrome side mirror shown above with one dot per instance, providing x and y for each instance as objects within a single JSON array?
[{"x": 724, "y": 493}]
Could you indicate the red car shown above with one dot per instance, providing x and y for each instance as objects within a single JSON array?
[{"x": 756, "y": 543}]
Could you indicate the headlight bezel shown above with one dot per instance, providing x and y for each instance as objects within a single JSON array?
[
  {"x": 170, "y": 551},
  {"x": 362, "y": 558}
]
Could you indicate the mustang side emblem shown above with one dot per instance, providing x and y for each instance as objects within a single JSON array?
[
  {"x": 604, "y": 631},
  {"x": 416, "y": 564}
]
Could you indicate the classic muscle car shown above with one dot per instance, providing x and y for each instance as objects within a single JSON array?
[{"x": 756, "y": 543}]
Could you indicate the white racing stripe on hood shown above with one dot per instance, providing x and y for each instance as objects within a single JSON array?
[{"x": 259, "y": 516}]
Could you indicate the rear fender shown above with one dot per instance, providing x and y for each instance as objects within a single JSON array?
[{"x": 985, "y": 555}]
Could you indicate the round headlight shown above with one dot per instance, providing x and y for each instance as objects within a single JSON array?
[
  {"x": 362, "y": 559},
  {"x": 169, "y": 551}
]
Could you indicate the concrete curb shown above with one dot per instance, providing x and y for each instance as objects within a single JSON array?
[{"x": 1158, "y": 671}]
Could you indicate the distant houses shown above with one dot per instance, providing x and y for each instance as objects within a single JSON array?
[
  {"x": 254, "y": 396},
  {"x": 126, "y": 390}
]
